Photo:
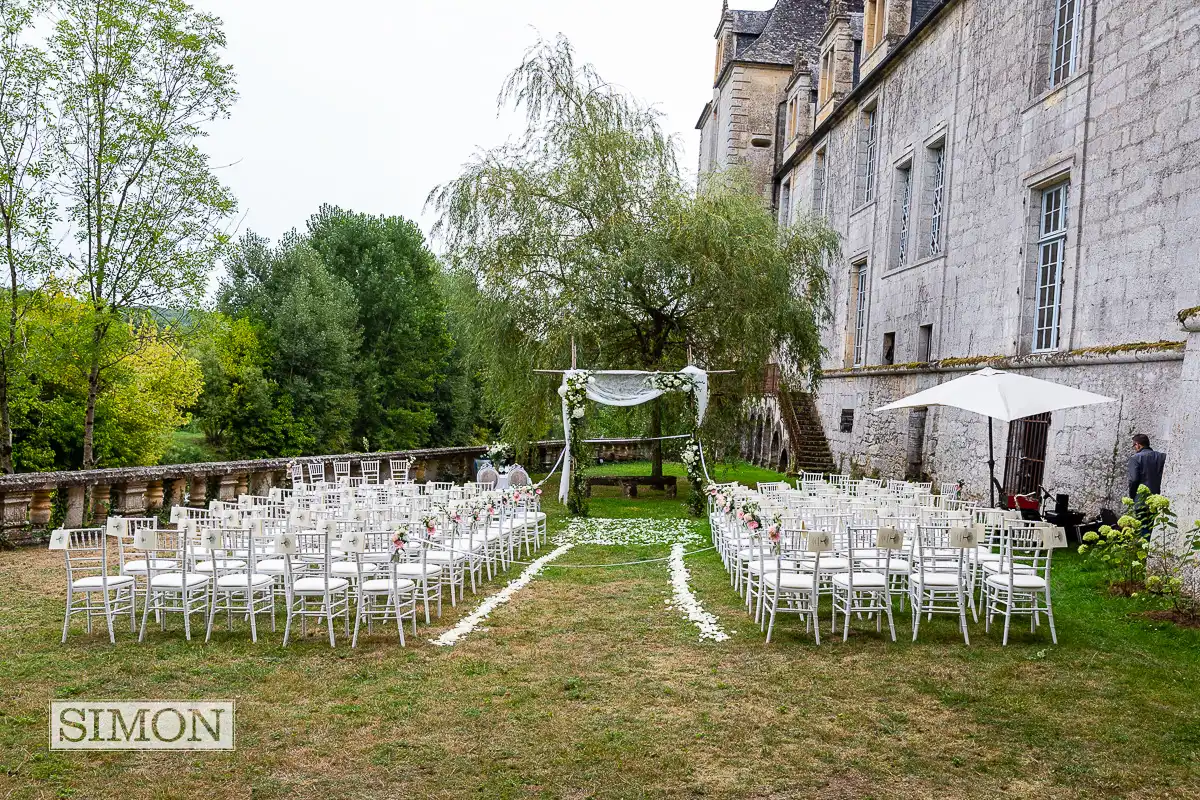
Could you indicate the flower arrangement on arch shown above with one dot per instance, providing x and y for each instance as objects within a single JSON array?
[
  {"x": 673, "y": 381},
  {"x": 574, "y": 392}
]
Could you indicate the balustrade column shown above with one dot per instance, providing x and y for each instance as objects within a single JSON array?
[
  {"x": 154, "y": 495},
  {"x": 101, "y": 497},
  {"x": 131, "y": 498},
  {"x": 228, "y": 488},
  {"x": 198, "y": 491},
  {"x": 76, "y": 502},
  {"x": 41, "y": 507}
]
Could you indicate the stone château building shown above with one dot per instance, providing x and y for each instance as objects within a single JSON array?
[{"x": 1015, "y": 183}]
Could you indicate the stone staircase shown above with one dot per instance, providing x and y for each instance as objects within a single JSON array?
[{"x": 809, "y": 448}]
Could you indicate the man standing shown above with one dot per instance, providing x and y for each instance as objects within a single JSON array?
[{"x": 1145, "y": 466}]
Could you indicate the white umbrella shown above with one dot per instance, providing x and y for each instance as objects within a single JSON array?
[{"x": 1000, "y": 395}]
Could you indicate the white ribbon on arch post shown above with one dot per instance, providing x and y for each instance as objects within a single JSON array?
[{"x": 621, "y": 387}]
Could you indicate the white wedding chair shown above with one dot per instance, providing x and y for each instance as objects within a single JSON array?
[
  {"x": 240, "y": 590},
  {"x": 792, "y": 587},
  {"x": 398, "y": 595},
  {"x": 91, "y": 590},
  {"x": 312, "y": 590},
  {"x": 179, "y": 589},
  {"x": 865, "y": 588},
  {"x": 1021, "y": 584},
  {"x": 398, "y": 470},
  {"x": 941, "y": 572}
]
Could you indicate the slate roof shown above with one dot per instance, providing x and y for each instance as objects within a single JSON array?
[
  {"x": 790, "y": 25},
  {"x": 750, "y": 21}
]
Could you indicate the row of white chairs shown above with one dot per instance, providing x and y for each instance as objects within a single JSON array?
[
  {"x": 865, "y": 550},
  {"x": 312, "y": 473},
  {"x": 316, "y": 551}
]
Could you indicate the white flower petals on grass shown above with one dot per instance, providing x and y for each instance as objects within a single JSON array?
[
  {"x": 683, "y": 599},
  {"x": 490, "y": 604},
  {"x": 629, "y": 531}
]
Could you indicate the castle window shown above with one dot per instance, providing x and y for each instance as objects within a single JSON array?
[
  {"x": 1065, "y": 45},
  {"x": 785, "y": 204},
  {"x": 889, "y": 348},
  {"x": 874, "y": 22},
  {"x": 901, "y": 213},
  {"x": 791, "y": 118},
  {"x": 820, "y": 175},
  {"x": 933, "y": 200},
  {"x": 1051, "y": 252},
  {"x": 924, "y": 343},
  {"x": 825, "y": 81},
  {"x": 858, "y": 342},
  {"x": 720, "y": 58},
  {"x": 868, "y": 145}
]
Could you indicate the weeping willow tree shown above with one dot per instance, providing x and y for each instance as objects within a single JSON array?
[{"x": 585, "y": 228}]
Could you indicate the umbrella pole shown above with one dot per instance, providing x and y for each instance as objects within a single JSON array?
[{"x": 991, "y": 464}]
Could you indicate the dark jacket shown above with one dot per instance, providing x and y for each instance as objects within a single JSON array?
[{"x": 1146, "y": 468}]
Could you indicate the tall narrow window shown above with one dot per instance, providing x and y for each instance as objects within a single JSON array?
[
  {"x": 868, "y": 146},
  {"x": 889, "y": 348},
  {"x": 901, "y": 213},
  {"x": 934, "y": 205},
  {"x": 860, "y": 313},
  {"x": 1052, "y": 244},
  {"x": 924, "y": 343},
  {"x": 1065, "y": 45},
  {"x": 825, "y": 80},
  {"x": 820, "y": 170},
  {"x": 720, "y": 58},
  {"x": 785, "y": 204}
]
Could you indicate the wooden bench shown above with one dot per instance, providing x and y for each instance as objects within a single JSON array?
[{"x": 629, "y": 483}]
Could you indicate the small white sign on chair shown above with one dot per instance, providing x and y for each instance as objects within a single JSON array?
[{"x": 963, "y": 537}]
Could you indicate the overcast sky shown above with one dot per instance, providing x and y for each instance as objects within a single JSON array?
[{"x": 368, "y": 104}]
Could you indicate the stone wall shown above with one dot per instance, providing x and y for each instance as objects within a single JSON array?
[
  {"x": 1088, "y": 447},
  {"x": 1124, "y": 130},
  {"x": 743, "y": 131}
]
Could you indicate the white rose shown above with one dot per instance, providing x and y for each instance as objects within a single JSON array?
[
  {"x": 562, "y": 391},
  {"x": 577, "y": 413}
]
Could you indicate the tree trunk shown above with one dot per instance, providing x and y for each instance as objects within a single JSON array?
[
  {"x": 656, "y": 431},
  {"x": 6, "y": 438},
  {"x": 89, "y": 418}
]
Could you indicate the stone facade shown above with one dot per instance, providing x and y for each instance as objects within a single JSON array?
[{"x": 937, "y": 158}]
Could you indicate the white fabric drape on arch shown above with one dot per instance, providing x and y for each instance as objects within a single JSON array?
[{"x": 623, "y": 387}]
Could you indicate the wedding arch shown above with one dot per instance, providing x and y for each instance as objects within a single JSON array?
[{"x": 625, "y": 388}]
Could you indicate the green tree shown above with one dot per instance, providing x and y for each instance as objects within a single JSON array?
[
  {"x": 144, "y": 400},
  {"x": 307, "y": 321},
  {"x": 241, "y": 409},
  {"x": 26, "y": 199},
  {"x": 136, "y": 81},
  {"x": 404, "y": 357},
  {"x": 585, "y": 228}
]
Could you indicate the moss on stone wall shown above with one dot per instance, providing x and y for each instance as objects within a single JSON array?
[{"x": 1132, "y": 347}]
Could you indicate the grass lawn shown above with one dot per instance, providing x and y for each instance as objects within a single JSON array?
[{"x": 587, "y": 685}]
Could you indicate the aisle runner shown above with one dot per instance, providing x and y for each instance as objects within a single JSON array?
[
  {"x": 685, "y": 601},
  {"x": 678, "y": 533},
  {"x": 472, "y": 620}
]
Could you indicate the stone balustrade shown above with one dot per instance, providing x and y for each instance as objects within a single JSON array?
[{"x": 28, "y": 499}]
